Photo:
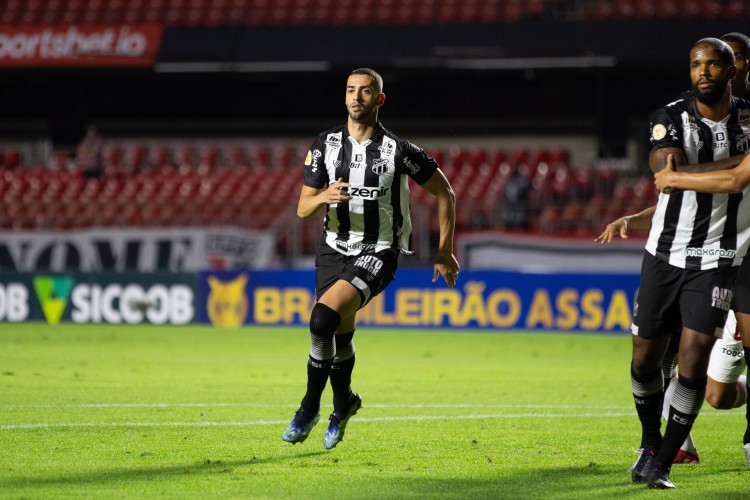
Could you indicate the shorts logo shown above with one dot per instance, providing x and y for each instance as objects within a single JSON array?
[
  {"x": 721, "y": 298},
  {"x": 369, "y": 263}
]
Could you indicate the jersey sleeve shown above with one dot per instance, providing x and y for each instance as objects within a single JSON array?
[
  {"x": 664, "y": 133},
  {"x": 316, "y": 174},
  {"x": 416, "y": 163}
]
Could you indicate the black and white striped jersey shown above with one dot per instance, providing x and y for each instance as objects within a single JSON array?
[
  {"x": 695, "y": 230},
  {"x": 377, "y": 215}
]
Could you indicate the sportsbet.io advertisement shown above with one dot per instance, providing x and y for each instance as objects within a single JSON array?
[{"x": 487, "y": 300}]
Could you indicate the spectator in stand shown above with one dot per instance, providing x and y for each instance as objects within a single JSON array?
[
  {"x": 89, "y": 153},
  {"x": 516, "y": 193}
]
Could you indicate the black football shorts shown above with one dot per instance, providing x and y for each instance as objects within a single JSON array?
[
  {"x": 669, "y": 296},
  {"x": 368, "y": 272}
]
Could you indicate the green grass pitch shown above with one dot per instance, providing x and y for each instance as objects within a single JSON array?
[{"x": 99, "y": 411}]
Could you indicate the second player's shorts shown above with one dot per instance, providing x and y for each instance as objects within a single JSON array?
[
  {"x": 669, "y": 296},
  {"x": 369, "y": 273},
  {"x": 727, "y": 357}
]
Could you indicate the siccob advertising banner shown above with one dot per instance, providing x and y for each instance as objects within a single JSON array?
[{"x": 79, "y": 45}]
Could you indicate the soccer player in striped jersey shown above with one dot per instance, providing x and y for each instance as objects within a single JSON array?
[
  {"x": 727, "y": 387},
  {"x": 358, "y": 173},
  {"x": 696, "y": 243}
]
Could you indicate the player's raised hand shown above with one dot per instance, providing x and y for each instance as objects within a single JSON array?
[
  {"x": 663, "y": 178},
  {"x": 618, "y": 226},
  {"x": 446, "y": 266}
]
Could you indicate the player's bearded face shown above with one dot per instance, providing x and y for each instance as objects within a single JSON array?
[
  {"x": 711, "y": 95},
  {"x": 360, "y": 110}
]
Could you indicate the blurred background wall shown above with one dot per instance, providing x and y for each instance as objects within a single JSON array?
[{"x": 204, "y": 109}]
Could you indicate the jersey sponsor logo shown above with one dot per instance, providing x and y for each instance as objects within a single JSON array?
[
  {"x": 724, "y": 253},
  {"x": 409, "y": 164},
  {"x": 387, "y": 149},
  {"x": 721, "y": 298},
  {"x": 743, "y": 117},
  {"x": 354, "y": 246},
  {"x": 659, "y": 132},
  {"x": 363, "y": 192},
  {"x": 359, "y": 162},
  {"x": 380, "y": 166},
  {"x": 720, "y": 140},
  {"x": 316, "y": 156},
  {"x": 333, "y": 140}
]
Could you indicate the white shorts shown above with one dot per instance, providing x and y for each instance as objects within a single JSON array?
[{"x": 727, "y": 361}]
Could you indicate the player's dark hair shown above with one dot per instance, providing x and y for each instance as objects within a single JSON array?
[
  {"x": 740, "y": 39},
  {"x": 725, "y": 52},
  {"x": 377, "y": 79}
]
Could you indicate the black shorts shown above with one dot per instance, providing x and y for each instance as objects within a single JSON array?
[
  {"x": 368, "y": 272},
  {"x": 741, "y": 302},
  {"x": 669, "y": 296}
]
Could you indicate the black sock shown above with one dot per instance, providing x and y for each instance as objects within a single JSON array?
[
  {"x": 317, "y": 376},
  {"x": 648, "y": 397},
  {"x": 341, "y": 372},
  {"x": 686, "y": 404}
]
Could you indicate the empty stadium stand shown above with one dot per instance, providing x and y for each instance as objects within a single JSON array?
[
  {"x": 256, "y": 186},
  {"x": 315, "y": 12}
]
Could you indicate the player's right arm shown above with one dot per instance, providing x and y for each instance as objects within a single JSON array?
[
  {"x": 637, "y": 222},
  {"x": 312, "y": 200}
]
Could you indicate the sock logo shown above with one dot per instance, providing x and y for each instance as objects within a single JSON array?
[{"x": 53, "y": 294}]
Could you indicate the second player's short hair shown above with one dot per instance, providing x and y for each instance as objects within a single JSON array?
[
  {"x": 726, "y": 54},
  {"x": 377, "y": 79},
  {"x": 740, "y": 39}
]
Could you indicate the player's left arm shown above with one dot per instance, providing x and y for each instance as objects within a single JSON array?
[
  {"x": 728, "y": 180},
  {"x": 446, "y": 264}
]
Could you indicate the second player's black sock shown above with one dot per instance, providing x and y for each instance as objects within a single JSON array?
[{"x": 686, "y": 404}]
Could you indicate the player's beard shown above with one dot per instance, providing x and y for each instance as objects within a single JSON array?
[
  {"x": 362, "y": 116},
  {"x": 711, "y": 96}
]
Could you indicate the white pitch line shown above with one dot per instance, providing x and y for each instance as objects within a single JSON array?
[
  {"x": 251, "y": 423},
  {"x": 265, "y": 405}
]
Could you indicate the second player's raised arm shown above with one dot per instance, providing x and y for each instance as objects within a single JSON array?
[{"x": 729, "y": 180}]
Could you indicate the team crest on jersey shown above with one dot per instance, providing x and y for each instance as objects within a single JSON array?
[
  {"x": 380, "y": 166},
  {"x": 743, "y": 142}
]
